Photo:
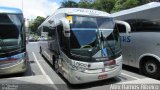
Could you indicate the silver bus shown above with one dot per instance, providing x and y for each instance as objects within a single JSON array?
[
  {"x": 141, "y": 47},
  {"x": 82, "y": 44},
  {"x": 12, "y": 41}
]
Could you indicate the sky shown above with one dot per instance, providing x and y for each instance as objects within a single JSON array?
[{"x": 33, "y": 8}]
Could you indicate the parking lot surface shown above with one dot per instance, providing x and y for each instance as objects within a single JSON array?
[{"x": 41, "y": 76}]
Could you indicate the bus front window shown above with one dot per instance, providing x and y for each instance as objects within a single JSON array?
[
  {"x": 89, "y": 35},
  {"x": 10, "y": 28}
]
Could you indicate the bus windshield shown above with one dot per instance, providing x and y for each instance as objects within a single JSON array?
[
  {"x": 10, "y": 29},
  {"x": 95, "y": 34}
]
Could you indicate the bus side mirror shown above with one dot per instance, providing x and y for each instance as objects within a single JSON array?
[
  {"x": 66, "y": 27},
  {"x": 128, "y": 27}
]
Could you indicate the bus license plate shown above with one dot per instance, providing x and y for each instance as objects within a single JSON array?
[{"x": 102, "y": 76}]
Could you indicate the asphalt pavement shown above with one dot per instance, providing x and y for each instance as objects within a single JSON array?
[{"x": 41, "y": 76}]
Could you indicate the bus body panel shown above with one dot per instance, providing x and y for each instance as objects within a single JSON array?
[
  {"x": 10, "y": 10},
  {"x": 45, "y": 51},
  {"x": 127, "y": 48},
  {"x": 73, "y": 69},
  {"x": 16, "y": 68},
  {"x": 142, "y": 50},
  {"x": 135, "y": 50},
  {"x": 79, "y": 77},
  {"x": 149, "y": 47}
]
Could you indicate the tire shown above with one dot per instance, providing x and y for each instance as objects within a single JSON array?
[
  {"x": 55, "y": 64},
  {"x": 151, "y": 68}
]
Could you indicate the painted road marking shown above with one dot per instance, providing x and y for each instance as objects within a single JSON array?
[
  {"x": 130, "y": 76},
  {"x": 43, "y": 72},
  {"x": 47, "y": 55}
]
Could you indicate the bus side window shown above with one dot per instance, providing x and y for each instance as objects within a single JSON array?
[
  {"x": 62, "y": 39},
  {"x": 121, "y": 28},
  {"x": 45, "y": 32},
  {"x": 51, "y": 33},
  {"x": 148, "y": 26}
]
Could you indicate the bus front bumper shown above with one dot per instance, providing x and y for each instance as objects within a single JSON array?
[
  {"x": 19, "y": 67},
  {"x": 80, "y": 77}
]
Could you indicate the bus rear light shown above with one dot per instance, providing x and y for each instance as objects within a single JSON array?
[
  {"x": 104, "y": 76},
  {"x": 109, "y": 62}
]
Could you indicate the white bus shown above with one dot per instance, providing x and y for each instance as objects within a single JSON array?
[
  {"x": 12, "y": 41},
  {"x": 82, "y": 44},
  {"x": 141, "y": 47}
]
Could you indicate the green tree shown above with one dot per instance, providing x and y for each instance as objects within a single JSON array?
[
  {"x": 86, "y": 4},
  {"x": 69, "y": 3},
  {"x": 141, "y": 2},
  {"x": 104, "y": 5},
  {"x": 126, "y": 4},
  {"x": 34, "y": 24}
]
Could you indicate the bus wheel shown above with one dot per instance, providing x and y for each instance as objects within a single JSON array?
[
  {"x": 151, "y": 68},
  {"x": 55, "y": 64}
]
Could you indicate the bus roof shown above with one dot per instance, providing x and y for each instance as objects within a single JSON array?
[
  {"x": 141, "y": 8},
  {"x": 75, "y": 11},
  {"x": 10, "y": 10},
  {"x": 81, "y": 11}
]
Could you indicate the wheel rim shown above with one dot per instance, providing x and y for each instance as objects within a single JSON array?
[{"x": 151, "y": 67}]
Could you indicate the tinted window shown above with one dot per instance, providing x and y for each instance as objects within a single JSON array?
[
  {"x": 8, "y": 31},
  {"x": 51, "y": 33},
  {"x": 147, "y": 26},
  {"x": 84, "y": 30},
  {"x": 121, "y": 28},
  {"x": 10, "y": 25},
  {"x": 62, "y": 39},
  {"x": 11, "y": 34},
  {"x": 92, "y": 22}
]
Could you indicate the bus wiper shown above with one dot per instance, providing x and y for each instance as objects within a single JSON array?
[{"x": 102, "y": 39}]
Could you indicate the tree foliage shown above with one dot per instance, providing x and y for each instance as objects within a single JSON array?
[
  {"x": 69, "y": 3},
  {"x": 125, "y": 4},
  {"x": 106, "y": 5},
  {"x": 109, "y": 6},
  {"x": 86, "y": 4},
  {"x": 35, "y": 23}
]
